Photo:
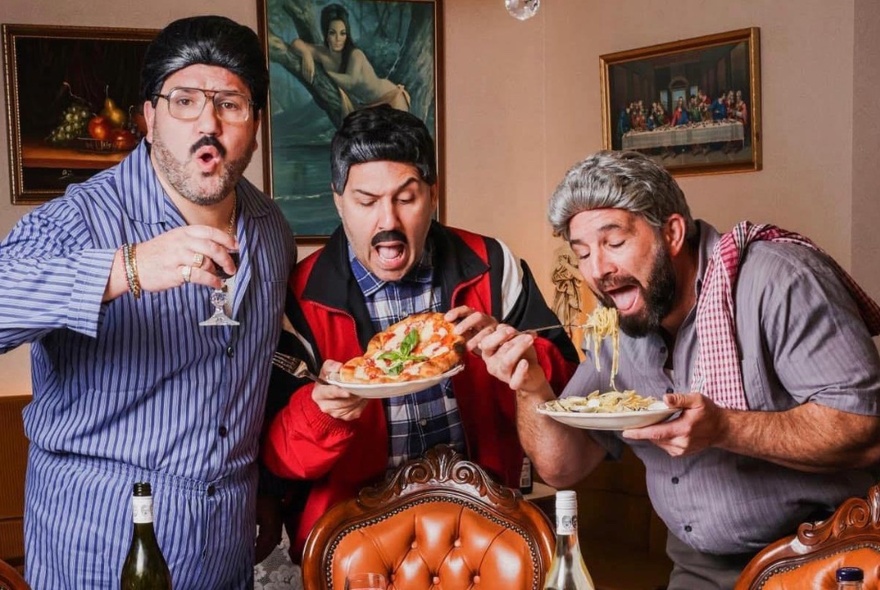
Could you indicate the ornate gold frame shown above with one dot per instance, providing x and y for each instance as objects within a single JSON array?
[
  {"x": 37, "y": 60},
  {"x": 733, "y": 56}
]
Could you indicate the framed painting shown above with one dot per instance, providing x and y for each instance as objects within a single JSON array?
[
  {"x": 693, "y": 106},
  {"x": 327, "y": 58},
  {"x": 73, "y": 108}
]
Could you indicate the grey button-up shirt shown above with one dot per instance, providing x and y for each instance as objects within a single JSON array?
[{"x": 801, "y": 339}]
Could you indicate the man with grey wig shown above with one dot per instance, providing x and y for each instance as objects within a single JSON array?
[{"x": 758, "y": 338}]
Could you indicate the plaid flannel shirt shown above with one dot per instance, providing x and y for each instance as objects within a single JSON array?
[{"x": 421, "y": 420}]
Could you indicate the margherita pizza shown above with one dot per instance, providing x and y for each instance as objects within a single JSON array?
[{"x": 420, "y": 346}]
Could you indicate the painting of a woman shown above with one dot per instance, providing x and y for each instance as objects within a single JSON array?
[
  {"x": 327, "y": 58},
  {"x": 347, "y": 65}
]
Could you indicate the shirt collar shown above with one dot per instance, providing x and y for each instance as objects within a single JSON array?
[{"x": 422, "y": 272}]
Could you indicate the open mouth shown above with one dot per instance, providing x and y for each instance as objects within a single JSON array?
[
  {"x": 624, "y": 297},
  {"x": 391, "y": 255},
  {"x": 208, "y": 157}
]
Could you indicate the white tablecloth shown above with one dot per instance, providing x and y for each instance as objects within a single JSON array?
[{"x": 685, "y": 135}]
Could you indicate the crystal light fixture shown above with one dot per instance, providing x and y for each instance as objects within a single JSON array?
[{"x": 522, "y": 9}]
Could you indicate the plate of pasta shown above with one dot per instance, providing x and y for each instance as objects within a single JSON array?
[{"x": 613, "y": 410}]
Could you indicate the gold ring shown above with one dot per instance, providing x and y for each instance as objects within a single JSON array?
[
  {"x": 198, "y": 259},
  {"x": 186, "y": 271}
]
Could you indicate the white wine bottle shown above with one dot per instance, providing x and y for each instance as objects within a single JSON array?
[
  {"x": 144, "y": 567},
  {"x": 567, "y": 570}
]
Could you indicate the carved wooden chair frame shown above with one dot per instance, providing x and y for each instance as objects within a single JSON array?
[
  {"x": 443, "y": 475},
  {"x": 854, "y": 525}
]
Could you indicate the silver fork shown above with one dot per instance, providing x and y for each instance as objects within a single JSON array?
[
  {"x": 553, "y": 327},
  {"x": 296, "y": 367}
]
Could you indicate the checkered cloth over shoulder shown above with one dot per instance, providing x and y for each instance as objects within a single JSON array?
[{"x": 717, "y": 370}]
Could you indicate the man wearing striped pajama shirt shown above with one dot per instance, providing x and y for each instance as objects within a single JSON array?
[{"x": 108, "y": 285}]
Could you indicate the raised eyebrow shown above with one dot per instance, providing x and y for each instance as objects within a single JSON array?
[{"x": 394, "y": 192}]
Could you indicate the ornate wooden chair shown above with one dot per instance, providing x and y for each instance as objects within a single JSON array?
[
  {"x": 10, "y": 579},
  {"x": 439, "y": 522},
  {"x": 850, "y": 537}
]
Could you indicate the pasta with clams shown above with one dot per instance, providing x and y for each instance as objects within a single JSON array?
[{"x": 611, "y": 401}]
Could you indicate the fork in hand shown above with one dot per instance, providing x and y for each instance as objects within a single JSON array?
[{"x": 296, "y": 367}]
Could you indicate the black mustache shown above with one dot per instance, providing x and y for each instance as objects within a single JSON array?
[
  {"x": 391, "y": 235},
  {"x": 208, "y": 140}
]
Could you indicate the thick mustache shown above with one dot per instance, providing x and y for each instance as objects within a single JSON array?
[
  {"x": 208, "y": 140},
  {"x": 391, "y": 235}
]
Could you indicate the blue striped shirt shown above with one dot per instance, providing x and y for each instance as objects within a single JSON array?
[{"x": 136, "y": 388}]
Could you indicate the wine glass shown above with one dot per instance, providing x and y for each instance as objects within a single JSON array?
[
  {"x": 365, "y": 581},
  {"x": 219, "y": 298}
]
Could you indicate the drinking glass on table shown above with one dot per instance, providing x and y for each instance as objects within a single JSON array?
[
  {"x": 366, "y": 581},
  {"x": 219, "y": 297}
]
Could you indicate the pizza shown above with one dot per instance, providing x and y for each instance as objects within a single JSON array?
[{"x": 419, "y": 346}]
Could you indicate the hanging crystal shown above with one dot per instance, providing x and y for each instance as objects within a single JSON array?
[{"x": 522, "y": 9}]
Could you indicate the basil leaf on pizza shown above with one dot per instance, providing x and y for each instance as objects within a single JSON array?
[
  {"x": 398, "y": 358},
  {"x": 420, "y": 346}
]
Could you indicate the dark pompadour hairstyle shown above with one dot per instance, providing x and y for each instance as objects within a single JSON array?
[
  {"x": 381, "y": 133},
  {"x": 208, "y": 40}
]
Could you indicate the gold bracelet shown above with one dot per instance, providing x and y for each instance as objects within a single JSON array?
[{"x": 131, "y": 274}]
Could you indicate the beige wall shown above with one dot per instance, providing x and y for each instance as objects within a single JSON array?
[{"x": 522, "y": 105}]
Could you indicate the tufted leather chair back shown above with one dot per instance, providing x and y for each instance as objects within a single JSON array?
[
  {"x": 850, "y": 537},
  {"x": 439, "y": 523}
]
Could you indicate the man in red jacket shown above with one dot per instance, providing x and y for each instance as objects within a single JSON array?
[{"x": 390, "y": 259}]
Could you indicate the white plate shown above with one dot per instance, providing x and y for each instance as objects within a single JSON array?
[
  {"x": 612, "y": 420},
  {"x": 383, "y": 390}
]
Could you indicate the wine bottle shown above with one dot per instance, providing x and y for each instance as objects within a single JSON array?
[
  {"x": 144, "y": 567},
  {"x": 567, "y": 570},
  {"x": 850, "y": 578},
  {"x": 525, "y": 477}
]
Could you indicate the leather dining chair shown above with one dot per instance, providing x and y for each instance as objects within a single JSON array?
[
  {"x": 809, "y": 559},
  {"x": 438, "y": 522},
  {"x": 10, "y": 579}
]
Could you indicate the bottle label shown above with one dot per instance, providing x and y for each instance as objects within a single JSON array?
[
  {"x": 525, "y": 476},
  {"x": 142, "y": 509},
  {"x": 566, "y": 524}
]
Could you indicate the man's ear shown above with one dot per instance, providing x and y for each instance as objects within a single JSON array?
[
  {"x": 435, "y": 197},
  {"x": 674, "y": 233},
  {"x": 150, "y": 117},
  {"x": 337, "y": 200}
]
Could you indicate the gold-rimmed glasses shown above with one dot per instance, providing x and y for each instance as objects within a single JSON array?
[{"x": 187, "y": 104}]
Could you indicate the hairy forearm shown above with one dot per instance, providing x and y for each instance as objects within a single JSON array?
[
  {"x": 810, "y": 437},
  {"x": 562, "y": 455}
]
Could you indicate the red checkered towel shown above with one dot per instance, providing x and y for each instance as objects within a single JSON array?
[{"x": 717, "y": 370}]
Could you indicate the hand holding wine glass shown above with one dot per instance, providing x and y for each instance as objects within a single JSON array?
[{"x": 219, "y": 296}]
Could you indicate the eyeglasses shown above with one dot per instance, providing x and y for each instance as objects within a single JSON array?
[{"x": 187, "y": 104}]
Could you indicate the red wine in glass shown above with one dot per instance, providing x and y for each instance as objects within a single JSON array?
[{"x": 222, "y": 273}]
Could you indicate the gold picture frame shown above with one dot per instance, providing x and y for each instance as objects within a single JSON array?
[
  {"x": 709, "y": 94},
  {"x": 47, "y": 69}
]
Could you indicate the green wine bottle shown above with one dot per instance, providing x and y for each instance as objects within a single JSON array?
[{"x": 144, "y": 567}]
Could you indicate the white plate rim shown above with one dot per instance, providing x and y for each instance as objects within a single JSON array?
[
  {"x": 383, "y": 390},
  {"x": 608, "y": 420}
]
